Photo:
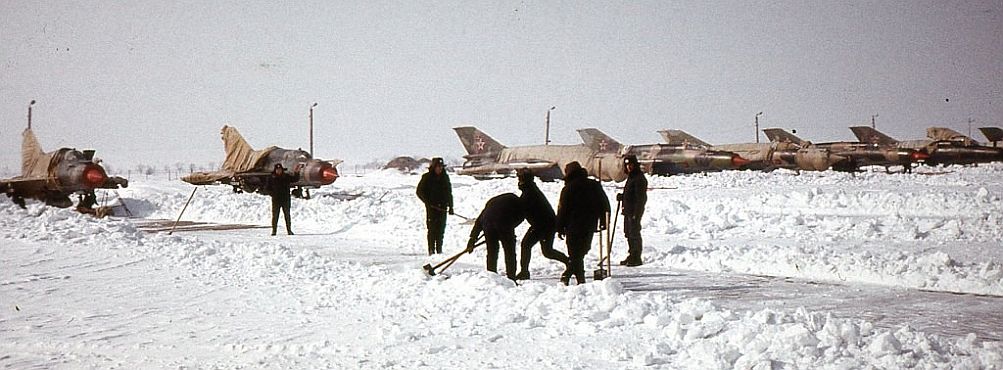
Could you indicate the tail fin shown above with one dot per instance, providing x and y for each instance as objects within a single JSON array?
[
  {"x": 946, "y": 134},
  {"x": 869, "y": 135},
  {"x": 477, "y": 142},
  {"x": 993, "y": 134},
  {"x": 597, "y": 140},
  {"x": 680, "y": 137},
  {"x": 779, "y": 135},
  {"x": 31, "y": 152},
  {"x": 238, "y": 151}
]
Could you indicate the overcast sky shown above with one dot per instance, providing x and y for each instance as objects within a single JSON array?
[{"x": 153, "y": 81}]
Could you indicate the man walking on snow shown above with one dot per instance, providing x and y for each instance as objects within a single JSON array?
[
  {"x": 436, "y": 192},
  {"x": 542, "y": 225},
  {"x": 582, "y": 209},
  {"x": 634, "y": 196}
]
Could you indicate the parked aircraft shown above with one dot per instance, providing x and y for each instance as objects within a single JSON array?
[
  {"x": 858, "y": 154},
  {"x": 487, "y": 158},
  {"x": 52, "y": 177},
  {"x": 763, "y": 156},
  {"x": 663, "y": 159},
  {"x": 943, "y": 146},
  {"x": 247, "y": 170},
  {"x": 993, "y": 134}
]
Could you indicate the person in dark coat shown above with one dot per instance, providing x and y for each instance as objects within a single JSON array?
[
  {"x": 542, "y": 225},
  {"x": 278, "y": 188},
  {"x": 501, "y": 215},
  {"x": 436, "y": 192},
  {"x": 634, "y": 197},
  {"x": 582, "y": 210}
]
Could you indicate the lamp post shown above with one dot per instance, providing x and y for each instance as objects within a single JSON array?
[
  {"x": 757, "y": 126},
  {"x": 546, "y": 138},
  {"x": 311, "y": 129},
  {"x": 29, "y": 112},
  {"x": 970, "y": 121},
  {"x": 873, "y": 116}
]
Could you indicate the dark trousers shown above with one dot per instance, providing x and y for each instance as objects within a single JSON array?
[
  {"x": 281, "y": 205},
  {"x": 578, "y": 248},
  {"x": 545, "y": 237},
  {"x": 435, "y": 221},
  {"x": 632, "y": 231},
  {"x": 507, "y": 241}
]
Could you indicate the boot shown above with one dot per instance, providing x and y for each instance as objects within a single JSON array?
[
  {"x": 524, "y": 275},
  {"x": 566, "y": 276}
]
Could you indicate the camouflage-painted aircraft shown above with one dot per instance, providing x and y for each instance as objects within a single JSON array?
[
  {"x": 858, "y": 154},
  {"x": 943, "y": 146},
  {"x": 247, "y": 170},
  {"x": 52, "y": 177},
  {"x": 764, "y": 156},
  {"x": 487, "y": 158},
  {"x": 663, "y": 159}
]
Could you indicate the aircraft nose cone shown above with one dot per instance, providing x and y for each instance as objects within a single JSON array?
[
  {"x": 918, "y": 156},
  {"x": 328, "y": 174},
  {"x": 738, "y": 161},
  {"x": 94, "y": 176}
]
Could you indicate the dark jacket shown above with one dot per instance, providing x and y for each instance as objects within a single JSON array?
[
  {"x": 435, "y": 191},
  {"x": 278, "y": 186},
  {"x": 539, "y": 213},
  {"x": 583, "y": 204},
  {"x": 501, "y": 214},
  {"x": 635, "y": 193}
]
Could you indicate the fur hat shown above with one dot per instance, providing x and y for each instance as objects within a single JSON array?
[
  {"x": 630, "y": 159},
  {"x": 525, "y": 175},
  {"x": 571, "y": 168}
]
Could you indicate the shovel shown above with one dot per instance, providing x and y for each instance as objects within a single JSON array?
[{"x": 430, "y": 270}]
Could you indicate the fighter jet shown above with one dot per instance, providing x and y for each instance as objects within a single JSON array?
[
  {"x": 765, "y": 156},
  {"x": 487, "y": 158},
  {"x": 943, "y": 146},
  {"x": 247, "y": 170},
  {"x": 52, "y": 177},
  {"x": 858, "y": 154},
  {"x": 663, "y": 159}
]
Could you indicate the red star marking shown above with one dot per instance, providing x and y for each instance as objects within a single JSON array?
[
  {"x": 603, "y": 145},
  {"x": 479, "y": 142}
]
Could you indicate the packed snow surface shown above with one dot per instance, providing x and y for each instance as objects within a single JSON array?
[{"x": 348, "y": 290}]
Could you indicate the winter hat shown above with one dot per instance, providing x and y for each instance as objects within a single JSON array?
[
  {"x": 525, "y": 175},
  {"x": 571, "y": 168},
  {"x": 630, "y": 159}
]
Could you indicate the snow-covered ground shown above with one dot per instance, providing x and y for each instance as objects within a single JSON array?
[{"x": 742, "y": 270}]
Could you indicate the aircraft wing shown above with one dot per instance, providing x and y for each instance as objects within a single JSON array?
[
  {"x": 23, "y": 185},
  {"x": 209, "y": 178},
  {"x": 682, "y": 138}
]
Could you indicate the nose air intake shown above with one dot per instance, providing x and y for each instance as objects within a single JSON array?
[
  {"x": 94, "y": 176},
  {"x": 328, "y": 175}
]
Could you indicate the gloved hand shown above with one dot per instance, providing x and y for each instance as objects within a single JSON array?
[
  {"x": 619, "y": 197},
  {"x": 450, "y": 211},
  {"x": 471, "y": 244},
  {"x": 560, "y": 234}
]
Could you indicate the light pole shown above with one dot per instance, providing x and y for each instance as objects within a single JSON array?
[
  {"x": 29, "y": 112},
  {"x": 970, "y": 121},
  {"x": 311, "y": 129},
  {"x": 873, "y": 116},
  {"x": 546, "y": 138},
  {"x": 757, "y": 126}
]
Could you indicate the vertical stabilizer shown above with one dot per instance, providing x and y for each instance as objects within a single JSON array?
[
  {"x": 993, "y": 134},
  {"x": 599, "y": 141},
  {"x": 33, "y": 159},
  {"x": 946, "y": 134},
  {"x": 239, "y": 154},
  {"x": 477, "y": 142},
  {"x": 869, "y": 135},
  {"x": 680, "y": 137},
  {"x": 779, "y": 135}
]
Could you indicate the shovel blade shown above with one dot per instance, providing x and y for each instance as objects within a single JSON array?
[{"x": 428, "y": 270}]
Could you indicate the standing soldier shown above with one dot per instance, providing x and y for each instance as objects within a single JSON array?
[
  {"x": 436, "y": 192},
  {"x": 501, "y": 215},
  {"x": 583, "y": 207},
  {"x": 634, "y": 196},
  {"x": 542, "y": 225},
  {"x": 278, "y": 188}
]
